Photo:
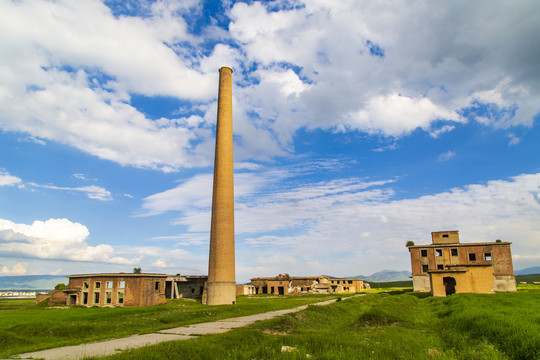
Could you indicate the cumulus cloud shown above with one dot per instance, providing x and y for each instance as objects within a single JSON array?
[
  {"x": 6, "y": 179},
  {"x": 16, "y": 269},
  {"x": 58, "y": 239},
  {"x": 70, "y": 72}
]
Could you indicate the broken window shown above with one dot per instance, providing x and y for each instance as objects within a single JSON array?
[
  {"x": 97, "y": 284},
  {"x": 438, "y": 252},
  {"x": 120, "y": 297},
  {"x": 440, "y": 267},
  {"x": 85, "y": 285},
  {"x": 85, "y": 298},
  {"x": 472, "y": 257},
  {"x": 487, "y": 256},
  {"x": 454, "y": 252},
  {"x": 423, "y": 253},
  {"x": 156, "y": 286},
  {"x": 109, "y": 284},
  {"x": 350, "y": 281},
  {"x": 96, "y": 298},
  {"x": 121, "y": 284},
  {"x": 108, "y": 297},
  {"x": 425, "y": 268}
]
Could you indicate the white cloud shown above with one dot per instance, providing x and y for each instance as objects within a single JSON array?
[
  {"x": 7, "y": 179},
  {"x": 92, "y": 191},
  {"x": 16, "y": 269},
  {"x": 446, "y": 156},
  {"x": 361, "y": 225},
  {"x": 69, "y": 69},
  {"x": 58, "y": 239},
  {"x": 514, "y": 139}
]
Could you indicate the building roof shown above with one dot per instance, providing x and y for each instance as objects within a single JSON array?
[
  {"x": 459, "y": 245},
  {"x": 116, "y": 275}
]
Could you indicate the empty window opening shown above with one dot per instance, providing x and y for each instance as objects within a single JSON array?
[
  {"x": 156, "y": 286},
  {"x": 97, "y": 284},
  {"x": 72, "y": 300},
  {"x": 472, "y": 257},
  {"x": 109, "y": 284},
  {"x": 487, "y": 256},
  {"x": 350, "y": 281},
  {"x": 440, "y": 267},
  {"x": 192, "y": 291},
  {"x": 423, "y": 253},
  {"x": 85, "y": 298},
  {"x": 425, "y": 268},
  {"x": 121, "y": 284},
  {"x": 85, "y": 285},
  {"x": 120, "y": 297},
  {"x": 454, "y": 252},
  {"x": 438, "y": 252},
  {"x": 96, "y": 298},
  {"x": 108, "y": 298},
  {"x": 445, "y": 235}
]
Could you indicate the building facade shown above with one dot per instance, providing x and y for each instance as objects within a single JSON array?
[
  {"x": 118, "y": 289},
  {"x": 448, "y": 266},
  {"x": 185, "y": 286},
  {"x": 286, "y": 285}
]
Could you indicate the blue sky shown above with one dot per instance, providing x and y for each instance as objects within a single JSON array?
[{"x": 358, "y": 126}]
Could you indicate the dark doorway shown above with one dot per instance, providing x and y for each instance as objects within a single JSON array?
[
  {"x": 265, "y": 290},
  {"x": 72, "y": 300},
  {"x": 281, "y": 290},
  {"x": 449, "y": 285}
]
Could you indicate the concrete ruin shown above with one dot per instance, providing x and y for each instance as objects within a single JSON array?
[
  {"x": 447, "y": 266},
  {"x": 286, "y": 285}
]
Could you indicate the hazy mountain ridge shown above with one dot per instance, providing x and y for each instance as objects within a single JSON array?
[{"x": 31, "y": 282}]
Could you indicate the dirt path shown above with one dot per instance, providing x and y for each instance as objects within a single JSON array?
[{"x": 111, "y": 347}]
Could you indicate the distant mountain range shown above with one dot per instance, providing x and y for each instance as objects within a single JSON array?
[
  {"x": 386, "y": 275},
  {"x": 31, "y": 282},
  {"x": 392, "y": 275},
  {"x": 528, "y": 271}
]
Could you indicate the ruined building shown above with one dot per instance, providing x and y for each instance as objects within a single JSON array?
[
  {"x": 118, "y": 289},
  {"x": 285, "y": 285},
  {"x": 448, "y": 266}
]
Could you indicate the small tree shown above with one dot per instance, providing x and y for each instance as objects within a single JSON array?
[
  {"x": 137, "y": 270},
  {"x": 498, "y": 240},
  {"x": 409, "y": 243},
  {"x": 60, "y": 286}
]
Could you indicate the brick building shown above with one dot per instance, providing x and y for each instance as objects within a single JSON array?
[
  {"x": 448, "y": 266},
  {"x": 118, "y": 289}
]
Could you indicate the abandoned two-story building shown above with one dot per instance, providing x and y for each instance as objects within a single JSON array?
[
  {"x": 448, "y": 266},
  {"x": 125, "y": 289}
]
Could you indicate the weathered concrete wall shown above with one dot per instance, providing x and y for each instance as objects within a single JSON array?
[
  {"x": 478, "y": 279},
  {"x": 445, "y": 237},
  {"x": 421, "y": 283}
]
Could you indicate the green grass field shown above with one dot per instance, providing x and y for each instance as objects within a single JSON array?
[
  {"x": 25, "y": 327},
  {"x": 380, "y": 325},
  {"x": 396, "y": 325}
]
